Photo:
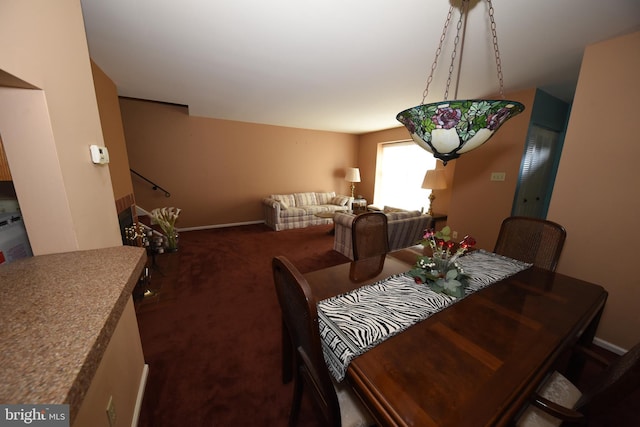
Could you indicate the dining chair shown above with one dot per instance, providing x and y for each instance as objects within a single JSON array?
[
  {"x": 533, "y": 240},
  {"x": 369, "y": 235},
  {"x": 559, "y": 400},
  {"x": 336, "y": 402}
]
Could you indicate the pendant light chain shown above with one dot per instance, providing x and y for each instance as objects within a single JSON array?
[
  {"x": 496, "y": 49},
  {"x": 438, "y": 51},
  {"x": 463, "y": 13}
]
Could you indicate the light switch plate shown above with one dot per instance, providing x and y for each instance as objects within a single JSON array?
[{"x": 498, "y": 176}]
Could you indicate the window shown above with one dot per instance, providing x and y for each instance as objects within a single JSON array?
[{"x": 400, "y": 170}]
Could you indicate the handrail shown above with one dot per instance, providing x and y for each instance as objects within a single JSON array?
[{"x": 155, "y": 186}]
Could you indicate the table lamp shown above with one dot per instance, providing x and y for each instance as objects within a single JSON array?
[
  {"x": 352, "y": 176},
  {"x": 433, "y": 180}
]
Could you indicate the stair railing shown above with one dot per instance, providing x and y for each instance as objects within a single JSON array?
[{"x": 154, "y": 186}]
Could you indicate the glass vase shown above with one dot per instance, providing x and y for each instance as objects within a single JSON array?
[{"x": 172, "y": 241}]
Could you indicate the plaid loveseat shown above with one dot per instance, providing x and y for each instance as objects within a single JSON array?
[
  {"x": 404, "y": 229},
  {"x": 298, "y": 210}
]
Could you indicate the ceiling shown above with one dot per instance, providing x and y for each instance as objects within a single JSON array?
[{"x": 337, "y": 65}]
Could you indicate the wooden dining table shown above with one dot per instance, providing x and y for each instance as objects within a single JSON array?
[{"x": 474, "y": 363}]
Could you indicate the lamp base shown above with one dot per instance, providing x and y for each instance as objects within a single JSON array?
[{"x": 431, "y": 199}]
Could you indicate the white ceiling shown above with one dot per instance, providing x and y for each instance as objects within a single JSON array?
[{"x": 337, "y": 65}]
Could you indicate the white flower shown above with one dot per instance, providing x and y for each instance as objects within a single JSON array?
[{"x": 166, "y": 219}]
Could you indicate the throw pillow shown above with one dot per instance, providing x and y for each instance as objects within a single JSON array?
[
  {"x": 286, "y": 200},
  {"x": 340, "y": 200}
]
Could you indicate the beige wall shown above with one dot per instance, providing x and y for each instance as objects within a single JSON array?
[
  {"x": 67, "y": 202},
  {"x": 596, "y": 191},
  {"x": 479, "y": 205},
  {"x": 111, "y": 122},
  {"x": 218, "y": 171}
]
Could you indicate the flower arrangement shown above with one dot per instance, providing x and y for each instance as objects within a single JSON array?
[
  {"x": 440, "y": 271},
  {"x": 166, "y": 218}
]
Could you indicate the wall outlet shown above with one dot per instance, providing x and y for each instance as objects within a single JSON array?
[
  {"x": 498, "y": 176},
  {"x": 454, "y": 234},
  {"x": 111, "y": 412}
]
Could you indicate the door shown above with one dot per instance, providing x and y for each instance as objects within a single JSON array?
[{"x": 537, "y": 172}]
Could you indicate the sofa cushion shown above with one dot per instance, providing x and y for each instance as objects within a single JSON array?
[
  {"x": 325, "y": 198},
  {"x": 388, "y": 209},
  {"x": 305, "y": 199},
  {"x": 314, "y": 209},
  {"x": 286, "y": 200},
  {"x": 293, "y": 212},
  {"x": 339, "y": 200},
  {"x": 394, "y": 216}
]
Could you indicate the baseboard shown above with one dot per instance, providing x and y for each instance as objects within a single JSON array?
[
  {"x": 608, "y": 346},
  {"x": 141, "y": 388},
  {"x": 142, "y": 211},
  {"x": 207, "y": 227}
]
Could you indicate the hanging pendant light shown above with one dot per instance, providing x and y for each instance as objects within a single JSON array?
[{"x": 450, "y": 128}]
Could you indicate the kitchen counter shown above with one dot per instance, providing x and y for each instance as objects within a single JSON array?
[{"x": 57, "y": 315}]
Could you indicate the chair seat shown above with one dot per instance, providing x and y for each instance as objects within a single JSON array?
[
  {"x": 558, "y": 389},
  {"x": 352, "y": 411}
]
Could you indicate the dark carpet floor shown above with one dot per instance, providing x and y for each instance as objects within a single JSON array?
[{"x": 211, "y": 334}]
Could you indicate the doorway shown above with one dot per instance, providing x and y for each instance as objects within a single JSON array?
[
  {"x": 549, "y": 118},
  {"x": 537, "y": 172}
]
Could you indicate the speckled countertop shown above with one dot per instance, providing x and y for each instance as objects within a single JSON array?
[{"x": 57, "y": 315}]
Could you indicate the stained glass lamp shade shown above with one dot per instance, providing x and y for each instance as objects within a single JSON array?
[{"x": 450, "y": 128}]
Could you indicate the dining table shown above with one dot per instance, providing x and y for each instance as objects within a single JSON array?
[{"x": 473, "y": 361}]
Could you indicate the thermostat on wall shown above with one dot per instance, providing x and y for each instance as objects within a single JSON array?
[{"x": 99, "y": 155}]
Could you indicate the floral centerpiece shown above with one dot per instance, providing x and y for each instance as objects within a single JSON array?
[
  {"x": 441, "y": 271},
  {"x": 166, "y": 219}
]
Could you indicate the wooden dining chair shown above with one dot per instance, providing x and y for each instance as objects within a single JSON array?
[
  {"x": 369, "y": 235},
  {"x": 533, "y": 240},
  {"x": 335, "y": 402},
  {"x": 560, "y": 401}
]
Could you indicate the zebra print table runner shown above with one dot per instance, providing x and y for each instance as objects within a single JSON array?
[{"x": 352, "y": 323}]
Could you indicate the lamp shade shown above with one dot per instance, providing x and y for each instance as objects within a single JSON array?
[
  {"x": 352, "y": 175},
  {"x": 434, "y": 180},
  {"x": 449, "y": 128}
]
